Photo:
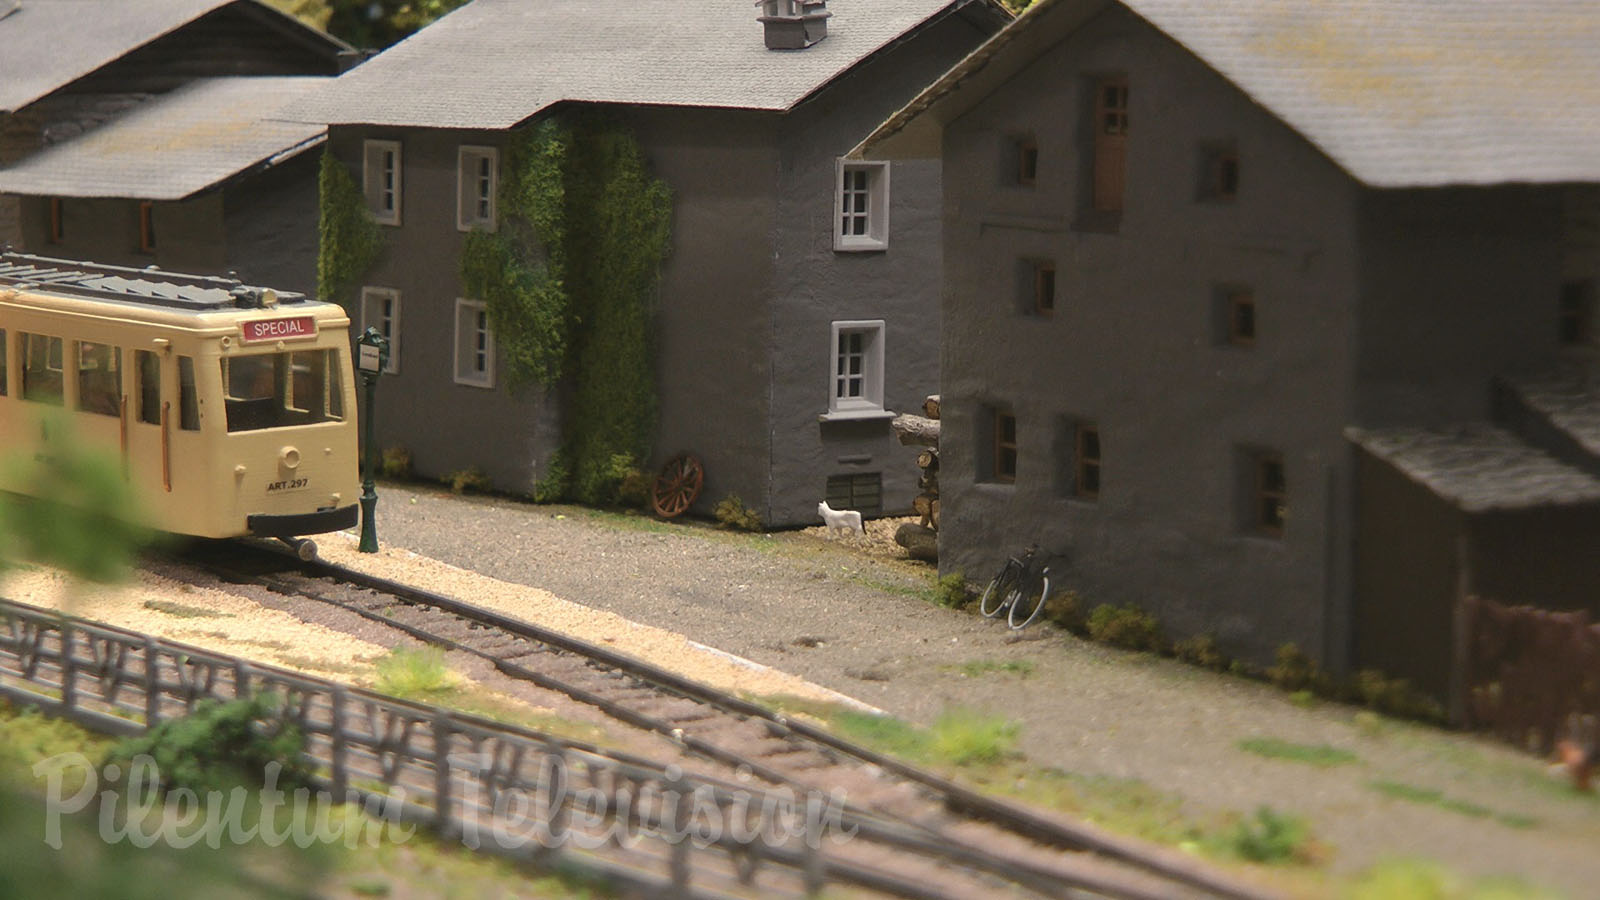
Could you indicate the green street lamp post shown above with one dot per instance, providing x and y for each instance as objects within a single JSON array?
[{"x": 372, "y": 351}]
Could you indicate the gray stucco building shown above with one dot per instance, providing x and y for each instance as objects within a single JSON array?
[
  {"x": 1242, "y": 304},
  {"x": 798, "y": 303},
  {"x": 137, "y": 133}
]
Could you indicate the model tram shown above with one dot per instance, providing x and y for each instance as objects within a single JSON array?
[{"x": 231, "y": 407}]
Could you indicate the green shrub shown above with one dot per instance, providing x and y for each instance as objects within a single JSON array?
[
  {"x": 396, "y": 463},
  {"x": 1201, "y": 650},
  {"x": 950, "y": 591},
  {"x": 1125, "y": 626},
  {"x": 1269, "y": 837},
  {"x": 1294, "y": 670},
  {"x": 633, "y": 491},
  {"x": 220, "y": 745},
  {"x": 471, "y": 479},
  {"x": 1395, "y": 696},
  {"x": 1065, "y": 609},
  {"x": 732, "y": 513}
]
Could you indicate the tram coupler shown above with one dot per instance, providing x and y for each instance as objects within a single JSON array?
[{"x": 304, "y": 548}]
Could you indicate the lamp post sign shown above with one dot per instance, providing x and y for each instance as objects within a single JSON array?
[{"x": 372, "y": 354}]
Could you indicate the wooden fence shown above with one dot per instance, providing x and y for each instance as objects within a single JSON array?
[
  {"x": 485, "y": 783},
  {"x": 1527, "y": 671}
]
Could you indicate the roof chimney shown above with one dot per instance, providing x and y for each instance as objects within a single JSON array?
[{"x": 794, "y": 24}]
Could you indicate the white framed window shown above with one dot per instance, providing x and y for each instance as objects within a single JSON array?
[
  {"x": 477, "y": 174},
  {"x": 474, "y": 344},
  {"x": 861, "y": 206},
  {"x": 380, "y": 180},
  {"x": 856, "y": 380},
  {"x": 380, "y": 309}
]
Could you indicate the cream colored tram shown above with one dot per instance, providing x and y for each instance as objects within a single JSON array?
[{"x": 232, "y": 408}]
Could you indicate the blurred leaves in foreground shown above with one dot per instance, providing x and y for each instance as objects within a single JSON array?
[{"x": 80, "y": 514}]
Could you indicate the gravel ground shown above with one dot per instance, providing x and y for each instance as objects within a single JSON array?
[{"x": 845, "y": 615}]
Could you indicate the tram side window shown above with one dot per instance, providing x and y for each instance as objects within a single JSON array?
[
  {"x": 188, "y": 400},
  {"x": 41, "y": 368},
  {"x": 281, "y": 389},
  {"x": 100, "y": 378},
  {"x": 148, "y": 367}
]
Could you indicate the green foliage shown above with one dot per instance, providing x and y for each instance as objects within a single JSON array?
[
  {"x": 633, "y": 485},
  {"x": 1320, "y": 755},
  {"x": 732, "y": 513},
  {"x": 569, "y": 280},
  {"x": 966, "y": 737},
  {"x": 1016, "y": 6},
  {"x": 1201, "y": 650},
  {"x": 1294, "y": 670},
  {"x": 519, "y": 269},
  {"x": 414, "y": 674},
  {"x": 471, "y": 479},
  {"x": 220, "y": 745},
  {"x": 1412, "y": 879},
  {"x": 950, "y": 591},
  {"x": 27, "y": 736},
  {"x": 349, "y": 240},
  {"x": 1065, "y": 609},
  {"x": 83, "y": 516},
  {"x": 1271, "y": 837},
  {"x": 396, "y": 463},
  {"x": 1125, "y": 626},
  {"x": 616, "y": 250},
  {"x": 1396, "y": 696}
]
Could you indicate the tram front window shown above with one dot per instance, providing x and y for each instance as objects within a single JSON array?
[{"x": 278, "y": 390}]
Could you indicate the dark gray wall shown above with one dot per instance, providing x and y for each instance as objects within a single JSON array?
[
  {"x": 815, "y": 285},
  {"x": 446, "y": 426},
  {"x": 1458, "y": 285},
  {"x": 1133, "y": 346},
  {"x": 190, "y": 236},
  {"x": 714, "y": 339},
  {"x": 270, "y": 219}
]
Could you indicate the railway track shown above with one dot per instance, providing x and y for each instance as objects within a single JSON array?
[{"x": 967, "y": 844}]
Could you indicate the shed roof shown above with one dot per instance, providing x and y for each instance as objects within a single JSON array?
[
  {"x": 1400, "y": 93},
  {"x": 47, "y": 44},
  {"x": 1479, "y": 467},
  {"x": 174, "y": 145},
  {"x": 495, "y": 63},
  {"x": 1569, "y": 398}
]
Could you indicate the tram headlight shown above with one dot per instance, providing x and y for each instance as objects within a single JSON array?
[{"x": 289, "y": 458}]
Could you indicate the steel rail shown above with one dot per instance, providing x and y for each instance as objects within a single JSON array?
[{"x": 1046, "y": 829}]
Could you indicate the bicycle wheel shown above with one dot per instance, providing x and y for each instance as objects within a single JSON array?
[
  {"x": 1029, "y": 603},
  {"x": 999, "y": 589}
]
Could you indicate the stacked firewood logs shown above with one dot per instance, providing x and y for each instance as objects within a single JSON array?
[{"x": 921, "y": 539}]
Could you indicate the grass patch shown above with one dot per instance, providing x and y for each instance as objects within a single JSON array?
[
  {"x": 959, "y": 737},
  {"x": 1408, "y": 879},
  {"x": 1430, "y": 797},
  {"x": 977, "y": 668},
  {"x": 415, "y": 675},
  {"x": 1271, "y": 837},
  {"x": 184, "y": 610},
  {"x": 1319, "y": 755}
]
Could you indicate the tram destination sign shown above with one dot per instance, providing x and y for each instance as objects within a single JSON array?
[{"x": 290, "y": 329}]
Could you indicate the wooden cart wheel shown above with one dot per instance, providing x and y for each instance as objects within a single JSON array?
[{"x": 678, "y": 486}]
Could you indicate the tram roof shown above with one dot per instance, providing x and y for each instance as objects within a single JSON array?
[{"x": 148, "y": 287}]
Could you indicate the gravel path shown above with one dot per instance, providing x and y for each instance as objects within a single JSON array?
[{"x": 855, "y": 622}]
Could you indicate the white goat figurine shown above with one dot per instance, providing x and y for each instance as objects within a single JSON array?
[{"x": 840, "y": 519}]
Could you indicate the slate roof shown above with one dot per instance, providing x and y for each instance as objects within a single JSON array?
[
  {"x": 1400, "y": 93},
  {"x": 174, "y": 145},
  {"x": 47, "y": 44},
  {"x": 494, "y": 63},
  {"x": 1568, "y": 398},
  {"x": 1479, "y": 467}
]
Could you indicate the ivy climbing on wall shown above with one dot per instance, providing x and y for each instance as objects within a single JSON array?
[
  {"x": 569, "y": 279},
  {"x": 348, "y": 239}
]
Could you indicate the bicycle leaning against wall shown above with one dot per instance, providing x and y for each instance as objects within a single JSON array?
[{"x": 1019, "y": 588}]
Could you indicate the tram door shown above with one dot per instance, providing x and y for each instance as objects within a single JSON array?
[{"x": 165, "y": 451}]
